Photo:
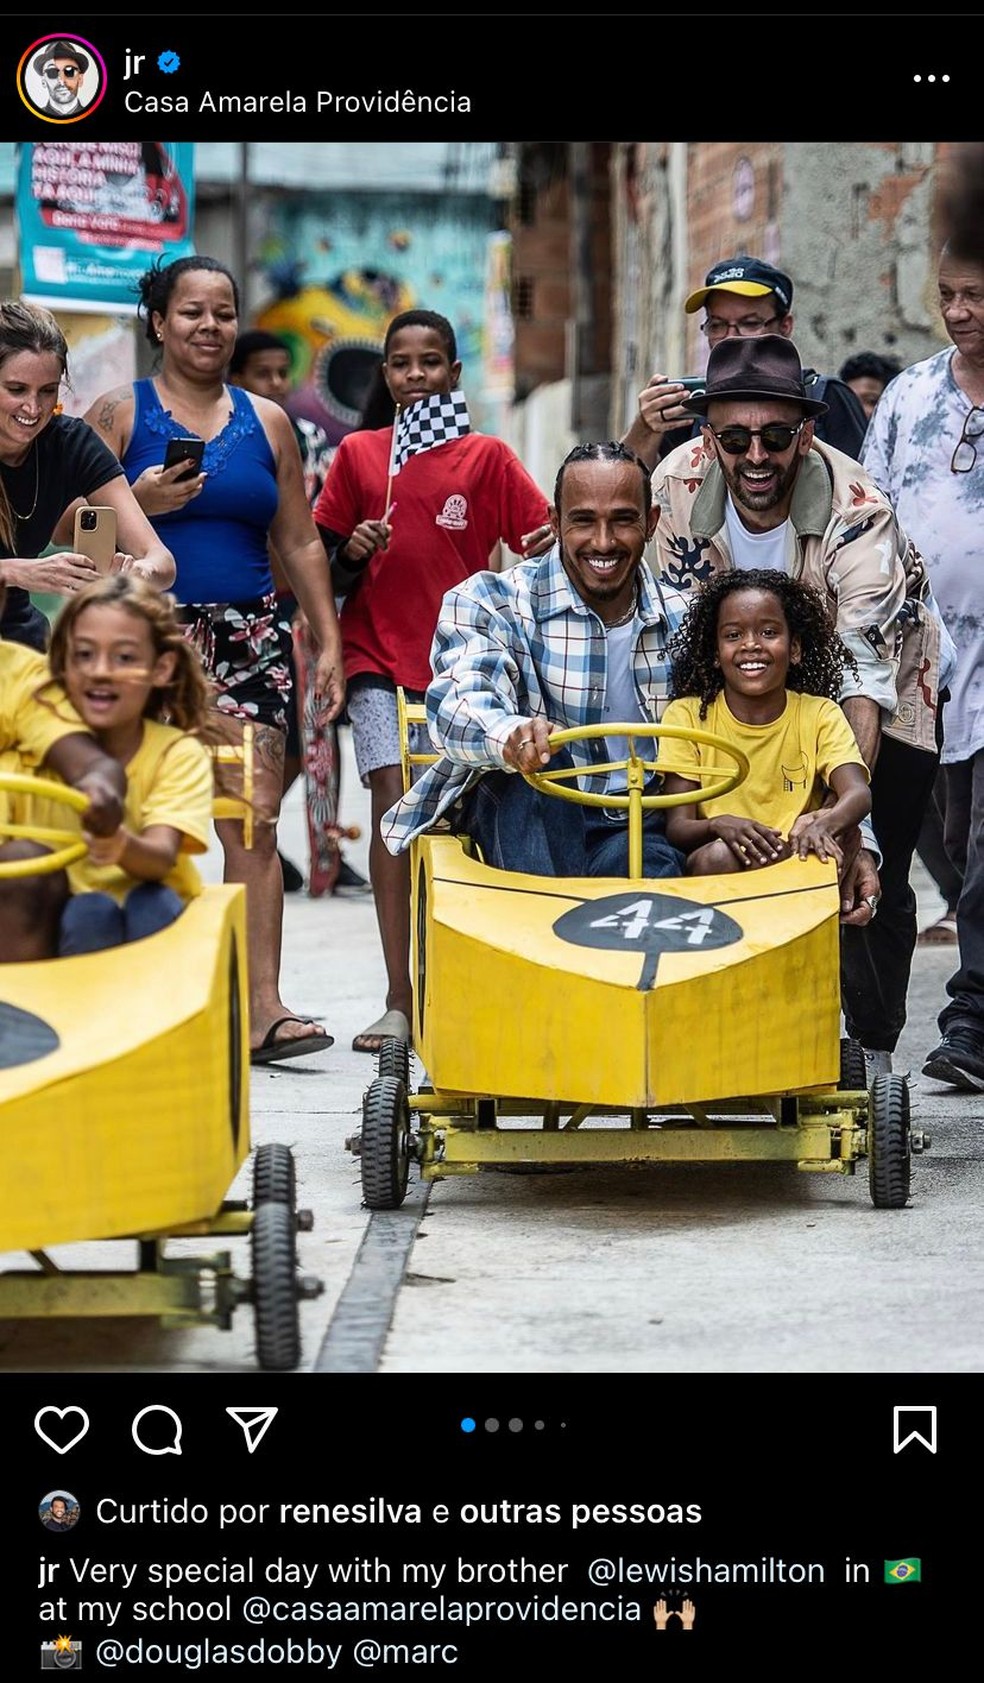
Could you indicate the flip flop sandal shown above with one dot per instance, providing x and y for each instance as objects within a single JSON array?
[
  {"x": 272, "y": 1051},
  {"x": 941, "y": 934},
  {"x": 392, "y": 1025}
]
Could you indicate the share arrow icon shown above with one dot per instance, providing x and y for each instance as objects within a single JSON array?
[{"x": 254, "y": 1422}]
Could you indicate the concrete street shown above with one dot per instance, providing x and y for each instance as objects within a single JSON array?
[{"x": 730, "y": 1268}]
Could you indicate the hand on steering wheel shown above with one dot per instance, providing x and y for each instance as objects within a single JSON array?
[{"x": 561, "y": 780}]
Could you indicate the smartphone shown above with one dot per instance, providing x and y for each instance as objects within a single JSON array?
[
  {"x": 179, "y": 449},
  {"x": 95, "y": 535}
]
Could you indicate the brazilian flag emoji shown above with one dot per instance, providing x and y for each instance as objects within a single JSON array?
[{"x": 903, "y": 1571}]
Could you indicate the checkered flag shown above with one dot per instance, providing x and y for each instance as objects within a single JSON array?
[{"x": 424, "y": 425}]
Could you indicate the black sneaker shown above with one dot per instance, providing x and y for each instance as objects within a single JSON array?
[
  {"x": 959, "y": 1059},
  {"x": 350, "y": 882},
  {"x": 293, "y": 878}
]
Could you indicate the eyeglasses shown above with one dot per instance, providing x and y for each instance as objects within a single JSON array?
[
  {"x": 53, "y": 73},
  {"x": 775, "y": 438},
  {"x": 745, "y": 329},
  {"x": 965, "y": 455}
]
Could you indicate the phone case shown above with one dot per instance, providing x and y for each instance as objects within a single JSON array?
[
  {"x": 179, "y": 450},
  {"x": 98, "y": 542}
]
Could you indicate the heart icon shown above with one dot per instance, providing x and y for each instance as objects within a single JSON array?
[{"x": 59, "y": 1415}]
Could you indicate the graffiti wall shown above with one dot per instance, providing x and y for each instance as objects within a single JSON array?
[{"x": 338, "y": 267}]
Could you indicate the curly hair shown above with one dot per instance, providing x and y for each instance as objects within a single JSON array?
[
  {"x": 185, "y": 701},
  {"x": 694, "y": 668}
]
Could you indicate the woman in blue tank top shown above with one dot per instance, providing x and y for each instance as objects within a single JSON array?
[{"x": 219, "y": 521}]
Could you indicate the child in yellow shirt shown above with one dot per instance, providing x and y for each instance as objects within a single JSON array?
[
  {"x": 758, "y": 662},
  {"x": 119, "y": 653}
]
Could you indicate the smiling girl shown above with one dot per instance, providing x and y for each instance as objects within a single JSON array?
[
  {"x": 757, "y": 661},
  {"x": 119, "y": 653}
]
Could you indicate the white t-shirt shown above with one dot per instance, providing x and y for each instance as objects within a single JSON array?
[
  {"x": 754, "y": 549},
  {"x": 621, "y": 700}
]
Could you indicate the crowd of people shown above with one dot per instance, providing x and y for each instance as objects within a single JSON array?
[{"x": 783, "y": 557}]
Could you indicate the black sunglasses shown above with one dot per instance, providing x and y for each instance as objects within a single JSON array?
[
  {"x": 53, "y": 73},
  {"x": 775, "y": 438}
]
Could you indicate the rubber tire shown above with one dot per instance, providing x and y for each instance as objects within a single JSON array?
[
  {"x": 274, "y": 1176},
  {"x": 273, "y": 1239},
  {"x": 853, "y": 1071},
  {"x": 393, "y": 1058},
  {"x": 384, "y": 1155},
  {"x": 889, "y": 1150}
]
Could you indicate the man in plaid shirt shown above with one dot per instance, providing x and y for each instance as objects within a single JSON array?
[{"x": 571, "y": 638}]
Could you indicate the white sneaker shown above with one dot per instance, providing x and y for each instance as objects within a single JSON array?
[{"x": 876, "y": 1062}]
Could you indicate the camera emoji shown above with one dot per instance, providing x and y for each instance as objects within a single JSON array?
[{"x": 63, "y": 1655}]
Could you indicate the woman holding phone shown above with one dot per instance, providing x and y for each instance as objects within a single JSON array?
[
  {"x": 50, "y": 463},
  {"x": 219, "y": 521}
]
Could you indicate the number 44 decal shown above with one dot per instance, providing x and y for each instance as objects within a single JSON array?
[
  {"x": 633, "y": 920},
  {"x": 650, "y": 924}
]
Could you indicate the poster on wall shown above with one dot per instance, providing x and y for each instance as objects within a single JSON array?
[{"x": 93, "y": 216}]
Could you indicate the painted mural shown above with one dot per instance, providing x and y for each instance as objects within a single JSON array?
[{"x": 339, "y": 267}]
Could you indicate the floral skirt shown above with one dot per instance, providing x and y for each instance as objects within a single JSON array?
[{"x": 245, "y": 648}]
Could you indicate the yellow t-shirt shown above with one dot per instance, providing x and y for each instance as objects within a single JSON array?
[
  {"x": 169, "y": 781},
  {"x": 29, "y": 728},
  {"x": 790, "y": 760}
]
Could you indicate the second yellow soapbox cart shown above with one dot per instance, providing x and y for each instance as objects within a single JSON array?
[
  {"x": 124, "y": 1115},
  {"x": 603, "y": 1020}
]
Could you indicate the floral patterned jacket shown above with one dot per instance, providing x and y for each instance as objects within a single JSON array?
[{"x": 845, "y": 539}]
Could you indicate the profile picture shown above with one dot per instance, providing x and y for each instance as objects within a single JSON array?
[
  {"x": 58, "y": 1511},
  {"x": 61, "y": 80}
]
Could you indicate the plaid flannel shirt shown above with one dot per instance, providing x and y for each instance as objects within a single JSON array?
[{"x": 523, "y": 645}]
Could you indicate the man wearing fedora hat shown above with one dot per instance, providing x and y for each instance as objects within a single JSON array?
[
  {"x": 760, "y": 490},
  {"x": 61, "y": 67},
  {"x": 744, "y": 297}
]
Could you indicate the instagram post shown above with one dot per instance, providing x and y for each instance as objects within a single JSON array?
[{"x": 491, "y": 1045}]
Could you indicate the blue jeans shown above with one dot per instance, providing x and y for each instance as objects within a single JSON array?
[
  {"x": 519, "y": 829},
  {"x": 92, "y": 922}
]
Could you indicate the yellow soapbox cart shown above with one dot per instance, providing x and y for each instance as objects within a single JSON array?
[
  {"x": 603, "y": 1020},
  {"x": 124, "y": 1114}
]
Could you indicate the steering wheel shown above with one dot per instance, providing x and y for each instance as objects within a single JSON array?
[
  {"x": 68, "y": 845},
  {"x": 562, "y": 780}
]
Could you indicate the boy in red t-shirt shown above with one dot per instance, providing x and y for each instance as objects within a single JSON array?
[{"x": 454, "y": 502}]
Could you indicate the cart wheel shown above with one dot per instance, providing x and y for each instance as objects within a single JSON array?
[
  {"x": 385, "y": 1154},
  {"x": 274, "y": 1177},
  {"x": 853, "y": 1070},
  {"x": 888, "y": 1142},
  {"x": 274, "y": 1250},
  {"x": 394, "y": 1059}
]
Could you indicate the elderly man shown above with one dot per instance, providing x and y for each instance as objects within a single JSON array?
[
  {"x": 760, "y": 491},
  {"x": 62, "y": 68},
  {"x": 742, "y": 297},
  {"x": 926, "y": 451}
]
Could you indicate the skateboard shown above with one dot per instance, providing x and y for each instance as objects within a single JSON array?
[{"x": 320, "y": 759}]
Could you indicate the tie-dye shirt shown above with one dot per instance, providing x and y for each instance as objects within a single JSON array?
[{"x": 908, "y": 449}]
